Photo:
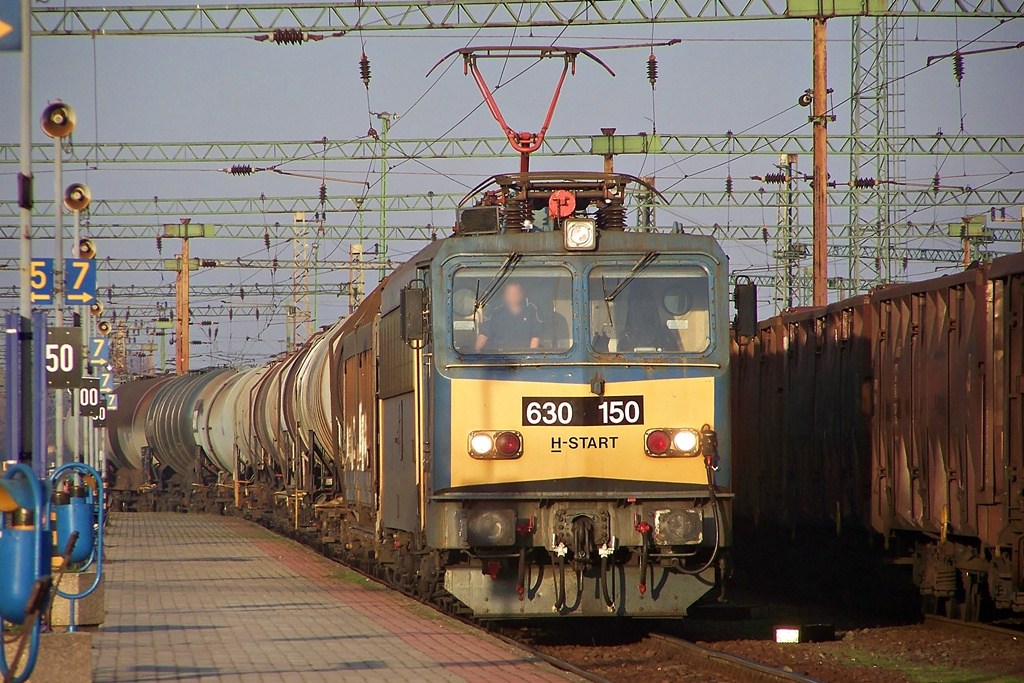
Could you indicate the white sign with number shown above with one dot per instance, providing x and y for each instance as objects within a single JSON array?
[{"x": 62, "y": 357}]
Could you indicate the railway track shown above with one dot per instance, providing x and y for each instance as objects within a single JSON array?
[
  {"x": 974, "y": 628},
  {"x": 733, "y": 667}
]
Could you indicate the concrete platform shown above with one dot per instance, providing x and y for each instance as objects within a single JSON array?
[
  {"x": 204, "y": 598},
  {"x": 62, "y": 658}
]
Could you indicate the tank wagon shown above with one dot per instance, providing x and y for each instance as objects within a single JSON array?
[
  {"x": 901, "y": 411},
  {"x": 523, "y": 420}
]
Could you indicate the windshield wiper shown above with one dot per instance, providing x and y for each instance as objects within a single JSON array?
[
  {"x": 492, "y": 287},
  {"x": 645, "y": 260}
]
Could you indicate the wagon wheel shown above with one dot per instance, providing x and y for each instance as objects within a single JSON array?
[{"x": 970, "y": 607}]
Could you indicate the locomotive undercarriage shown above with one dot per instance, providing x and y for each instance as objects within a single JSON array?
[
  {"x": 580, "y": 557},
  {"x": 583, "y": 569}
]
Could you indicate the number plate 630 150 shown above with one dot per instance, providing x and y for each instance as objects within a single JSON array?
[{"x": 583, "y": 410}]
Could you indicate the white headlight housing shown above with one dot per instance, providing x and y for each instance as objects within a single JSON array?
[
  {"x": 686, "y": 440},
  {"x": 579, "y": 234},
  {"x": 482, "y": 444}
]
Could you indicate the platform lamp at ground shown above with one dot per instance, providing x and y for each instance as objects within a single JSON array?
[
  {"x": 58, "y": 121},
  {"x": 25, "y": 549}
]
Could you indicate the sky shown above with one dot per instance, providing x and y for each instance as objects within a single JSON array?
[{"x": 726, "y": 76}]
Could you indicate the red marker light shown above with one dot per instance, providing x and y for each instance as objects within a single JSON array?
[
  {"x": 657, "y": 442},
  {"x": 508, "y": 443}
]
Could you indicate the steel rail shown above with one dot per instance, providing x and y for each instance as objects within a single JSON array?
[
  {"x": 733, "y": 666},
  {"x": 973, "y": 627}
]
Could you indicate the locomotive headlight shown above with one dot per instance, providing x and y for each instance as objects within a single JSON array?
[
  {"x": 579, "y": 234},
  {"x": 672, "y": 443},
  {"x": 481, "y": 444},
  {"x": 686, "y": 440},
  {"x": 495, "y": 445}
]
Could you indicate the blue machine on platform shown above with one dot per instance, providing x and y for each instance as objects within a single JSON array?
[
  {"x": 25, "y": 550},
  {"x": 80, "y": 509}
]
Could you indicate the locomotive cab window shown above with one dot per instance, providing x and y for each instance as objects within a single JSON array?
[
  {"x": 500, "y": 310},
  {"x": 649, "y": 307}
]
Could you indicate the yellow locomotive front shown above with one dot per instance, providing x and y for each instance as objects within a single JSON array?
[{"x": 574, "y": 414}]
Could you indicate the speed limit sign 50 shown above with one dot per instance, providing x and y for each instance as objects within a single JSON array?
[{"x": 62, "y": 357}]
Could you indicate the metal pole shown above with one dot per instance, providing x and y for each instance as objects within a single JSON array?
[
  {"x": 25, "y": 203},
  {"x": 76, "y": 420},
  {"x": 58, "y": 290},
  {"x": 382, "y": 251},
  {"x": 819, "y": 116},
  {"x": 181, "y": 334},
  {"x": 84, "y": 425}
]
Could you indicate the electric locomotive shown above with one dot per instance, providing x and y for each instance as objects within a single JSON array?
[
  {"x": 554, "y": 410},
  {"x": 526, "y": 419}
]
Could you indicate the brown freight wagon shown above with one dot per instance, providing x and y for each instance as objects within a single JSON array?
[{"x": 901, "y": 411}]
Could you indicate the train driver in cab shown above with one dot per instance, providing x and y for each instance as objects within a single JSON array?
[{"x": 513, "y": 325}]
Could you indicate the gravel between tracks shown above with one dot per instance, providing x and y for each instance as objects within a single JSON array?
[{"x": 895, "y": 654}]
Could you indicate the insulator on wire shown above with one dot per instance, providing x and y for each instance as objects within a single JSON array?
[
  {"x": 652, "y": 69},
  {"x": 958, "y": 67},
  {"x": 906, "y": 262},
  {"x": 936, "y": 183},
  {"x": 728, "y": 185},
  {"x": 775, "y": 178},
  {"x": 159, "y": 244},
  {"x": 764, "y": 233},
  {"x": 266, "y": 239},
  {"x": 241, "y": 169},
  {"x": 274, "y": 266},
  {"x": 231, "y": 314},
  {"x": 323, "y": 192},
  {"x": 288, "y": 36},
  {"x": 864, "y": 183},
  {"x": 257, "y": 313},
  {"x": 364, "y": 70}
]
